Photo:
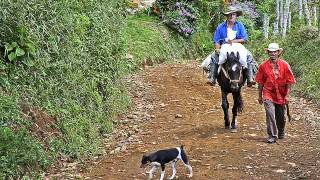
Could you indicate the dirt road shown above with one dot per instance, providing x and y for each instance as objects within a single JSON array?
[{"x": 173, "y": 105}]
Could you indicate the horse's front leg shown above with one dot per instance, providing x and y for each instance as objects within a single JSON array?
[
  {"x": 225, "y": 107},
  {"x": 236, "y": 106}
]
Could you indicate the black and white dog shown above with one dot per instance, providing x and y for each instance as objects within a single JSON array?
[{"x": 162, "y": 157}]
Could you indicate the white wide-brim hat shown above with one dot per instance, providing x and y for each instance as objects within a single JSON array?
[
  {"x": 274, "y": 47},
  {"x": 232, "y": 9}
]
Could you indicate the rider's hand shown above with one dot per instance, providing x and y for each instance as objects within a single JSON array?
[
  {"x": 229, "y": 42},
  {"x": 217, "y": 51}
]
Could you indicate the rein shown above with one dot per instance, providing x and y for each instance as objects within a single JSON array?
[{"x": 228, "y": 77}]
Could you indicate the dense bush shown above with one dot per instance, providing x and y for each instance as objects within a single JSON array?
[
  {"x": 301, "y": 51},
  {"x": 65, "y": 57},
  {"x": 20, "y": 154},
  {"x": 148, "y": 42},
  {"x": 180, "y": 16},
  {"x": 75, "y": 56}
]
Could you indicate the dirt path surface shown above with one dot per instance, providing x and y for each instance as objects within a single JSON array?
[{"x": 173, "y": 105}]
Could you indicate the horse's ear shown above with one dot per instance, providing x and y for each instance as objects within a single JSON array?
[
  {"x": 228, "y": 55},
  {"x": 238, "y": 55}
]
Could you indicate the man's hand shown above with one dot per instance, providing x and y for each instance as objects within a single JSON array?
[
  {"x": 287, "y": 98},
  {"x": 260, "y": 100},
  {"x": 229, "y": 41},
  {"x": 260, "y": 88}
]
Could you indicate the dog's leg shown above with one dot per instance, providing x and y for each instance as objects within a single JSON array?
[
  {"x": 185, "y": 161},
  {"x": 162, "y": 171},
  {"x": 174, "y": 171},
  {"x": 153, "y": 170},
  {"x": 190, "y": 170}
]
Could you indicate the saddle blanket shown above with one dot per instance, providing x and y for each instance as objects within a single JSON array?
[{"x": 235, "y": 47}]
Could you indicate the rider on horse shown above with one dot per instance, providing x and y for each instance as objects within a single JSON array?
[{"x": 230, "y": 32}]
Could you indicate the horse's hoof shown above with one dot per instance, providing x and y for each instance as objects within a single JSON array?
[
  {"x": 227, "y": 127},
  {"x": 234, "y": 130}
]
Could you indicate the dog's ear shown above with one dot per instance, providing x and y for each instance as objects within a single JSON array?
[{"x": 145, "y": 158}]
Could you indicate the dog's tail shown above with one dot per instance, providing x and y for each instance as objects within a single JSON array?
[{"x": 184, "y": 156}]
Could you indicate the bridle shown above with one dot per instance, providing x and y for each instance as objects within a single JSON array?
[{"x": 228, "y": 77}]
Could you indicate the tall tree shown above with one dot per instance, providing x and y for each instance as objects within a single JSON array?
[
  {"x": 276, "y": 21},
  {"x": 286, "y": 13},
  {"x": 315, "y": 12},
  {"x": 265, "y": 26},
  {"x": 306, "y": 12},
  {"x": 281, "y": 15},
  {"x": 318, "y": 17},
  {"x": 289, "y": 21},
  {"x": 300, "y": 9}
]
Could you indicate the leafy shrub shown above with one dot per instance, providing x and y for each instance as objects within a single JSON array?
[
  {"x": 21, "y": 50},
  {"x": 301, "y": 52},
  {"x": 20, "y": 153},
  {"x": 146, "y": 40},
  {"x": 180, "y": 16},
  {"x": 76, "y": 63}
]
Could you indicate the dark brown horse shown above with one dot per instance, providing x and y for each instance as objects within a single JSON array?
[{"x": 231, "y": 79}]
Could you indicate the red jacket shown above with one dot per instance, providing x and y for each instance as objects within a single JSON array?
[{"x": 275, "y": 89}]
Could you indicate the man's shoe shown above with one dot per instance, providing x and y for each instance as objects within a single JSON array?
[
  {"x": 271, "y": 140},
  {"x": 211, "y": 83},
  {"x": 281, "y": 135},
  {"x": 251, "y": 83}
]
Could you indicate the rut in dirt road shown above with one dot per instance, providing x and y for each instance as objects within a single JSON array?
[{"x": 173, "y": 105}]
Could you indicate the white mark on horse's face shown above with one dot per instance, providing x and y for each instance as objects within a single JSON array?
[{"x": 234, "y": 67}]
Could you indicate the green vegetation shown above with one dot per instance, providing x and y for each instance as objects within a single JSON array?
[
  {"x": 60, "y": 74},
  {"x": 147, "y": 39},
  {"x": 64, "y": 58},
  {"x": 303, "y": 55},
  {"x": 62, "y": 62}
]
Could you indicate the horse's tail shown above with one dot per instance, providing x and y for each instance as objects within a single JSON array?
[{"x": 239, "y": 103}]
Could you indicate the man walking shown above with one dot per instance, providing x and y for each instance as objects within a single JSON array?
[{"x": 275, "y": 79}]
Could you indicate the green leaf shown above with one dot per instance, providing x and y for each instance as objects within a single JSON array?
[
  {"x": 31, "y": 48},
  {"x": 12, "y": 56},
  {"x": 9, "y": 47},
  {"x": 19, "y": 52},
  {"x": 28, "y": 62}
]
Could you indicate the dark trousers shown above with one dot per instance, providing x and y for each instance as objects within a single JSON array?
[{"x": 275, "y": 118}]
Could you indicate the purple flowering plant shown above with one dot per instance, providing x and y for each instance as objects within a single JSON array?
[{"x": 180, "y": 16}]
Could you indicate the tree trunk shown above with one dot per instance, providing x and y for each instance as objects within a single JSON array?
[
  {"x": 281, "y": 15},
  {"x": 306, "y": 12},
  {"x": 300, "y": 9},
  {"x": 285, "y": 17},
  {"x": 319, "y": 18},
  {"x": 265, "y": 26},
  {"x": 276, "y": 21},
  {"x": 315, "y": 12},
  {"x": 289, "y": 21}
]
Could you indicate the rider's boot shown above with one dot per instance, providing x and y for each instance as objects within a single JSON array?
[
  {"x": 213, "y": 73},
  {"x": 250, "y": 80}
]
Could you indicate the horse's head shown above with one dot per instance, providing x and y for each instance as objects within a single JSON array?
[{"x": 233, "y": 70}]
